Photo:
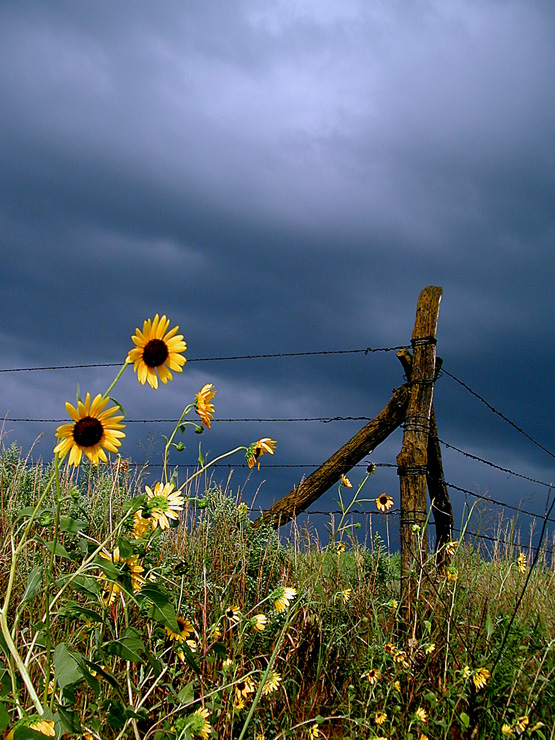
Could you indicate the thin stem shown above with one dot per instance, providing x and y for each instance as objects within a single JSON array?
[{"x": 115, "y": 380}]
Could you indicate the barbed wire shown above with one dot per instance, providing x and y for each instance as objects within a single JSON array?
[
  {"x": 495, "y": 411},
  {"x": 363, "y": 350}
]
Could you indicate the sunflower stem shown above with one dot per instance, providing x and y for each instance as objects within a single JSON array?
[
  {"x": 115, "y": 380},
  {"x": 212, "y": 462},
  {"x": 49, "y": 571},
  {"x": 172, "y": 437}
]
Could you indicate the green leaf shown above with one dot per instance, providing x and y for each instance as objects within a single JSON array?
[
  {"x": 125, "y": 548},
  {"x": 116, "y": 714},
  {"x": 128, "y": 646},
  {"x": 220, "y": 649},
  {"x": 187, "y": 694},
  {"x": 86, "y": 585},
  {"x": 59, "y": 549},
  {"x": 162, "y": 609},
  {"x": 34, "y": 583},
  {"x": 73, "y": 526},
  {"x": 101, "y": 672},
  {"x": 118, "y": 404},
  {"x": 72, "y": 609},
  {"x": 68, "y": 718},
  {"x": 465, "y": 719},
  {"x": 5, "y": 718},
  {"x": 66, "y": 668},
  {"x": 200, "y": 457}
]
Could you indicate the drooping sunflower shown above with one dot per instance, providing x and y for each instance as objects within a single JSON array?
[
  {"x": 203, "y": 404},
  {"x": 345, "y": 481},
  {"x": 271, "y": 684},
  {"x": 94, "y": 429},
  {"x": 384, "y": 502},
  {"x": 200, "y": 726},
  {"x": 163, "y": 504},
  {"x": 157, "y": 351},
  {"x": 257, "y": 449},
  {"x": 282, "y": 596},
  {"x": 259, "y": 622},
  {"x": 141, "y": 525},
  {"x": 38, "y": 724},
  {"x": 129, "y": 568},
  {"x": 480, "y": 678}
]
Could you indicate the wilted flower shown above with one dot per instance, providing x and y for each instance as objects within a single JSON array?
[
  {"x": 480, "y": 678},
  {"x": 384, "y": 502},
  {"x": 451, "y": 546},
  {"x": 257, "y": 449},
  {"x": 203, "y": 405}
]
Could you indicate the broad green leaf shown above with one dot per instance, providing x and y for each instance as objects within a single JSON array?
[
  {"x": 66, "y": 668},
  {"x": 59, "y": 549},
  {"x": 162, "y": 609},
  {"x": 86, "y": 585},
  {"x": 187, "y": 694},
  {"x": 465, "y": 719},
  {"x": 128, "y": 646},
  {"x": 73, "y": 526},
  {"x": 68, "y": 718},
  {"x": 5, "y": 718},
  {"x": 34, "y": 583},
  {"x": 125, "y": 548}
]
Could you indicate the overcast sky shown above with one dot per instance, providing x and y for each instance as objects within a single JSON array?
[{"x": 284, "y": 177}]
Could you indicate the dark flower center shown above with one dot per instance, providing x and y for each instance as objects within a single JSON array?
[
  {"x": 88, "y": 431},
  {"x": 155, "y": 353}
]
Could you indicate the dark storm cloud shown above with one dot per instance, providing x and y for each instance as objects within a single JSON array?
[{"x": 277, "y": 177}]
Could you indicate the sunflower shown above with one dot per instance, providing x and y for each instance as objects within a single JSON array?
[
  {"x": 200, "y": 725},
  {"x": 380, "y": 718},
  {"x": 163, "y": 504},
  {"x": 38, "y": 724},
  {"x": 203, "y": 405},
  {"x": 346, "y": 594},
  {"x": 314, "y": 731},
  {"x": 521, "y": 563},
  {"x": 257, "y": 449},
  {"x": 345, "y": 481},
  {"x": 129, "y": 568},
  {"x": 451, "y": 546},
  {"x": 141, "y": 525},
  {"x": 341, "y": 547},
  {"x": 507, "y": 730},
  {"x": 233, "y": 613},
  {"x": 244, "y": 688},
  {"x": 92, "y": 431},
  {"x": 521, "y": 724},
  {"x": 259, "y": 622},
  {"x": 384, "y": 502},
  {"x": 271, "y": 683},
  {"x": 422, "y": 715},
  {"x": 372, "y": 676},
  {"x": 282, "y": 596},
  {"x": 185, "y": 630},
  {"x": 157, "y": 350},
  {"x": 480, "y": 678}
]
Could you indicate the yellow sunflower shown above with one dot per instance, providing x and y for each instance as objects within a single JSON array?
[
  {"x": 259, "y": 622},
  {"x": 372, "y": 676},
  {"x": 233, "y": 613},
  {"x": 384, "y": 502},
  {"x": 94, "y": 429},
  {"x": 257, "y": 449},
  {"x": 38, "y": 724},
  {"x": 200, "y": 725},
  {"x": 129, "y": 567},
  {"x": 185, "y": 630},
  {"x": 244, "y": 688},
  {"x": 203, "y": 405},
  {"x": 282, "y": 596},
  {"x": 345, "y": 481},
  {"x": 480, "y": 678},
  {"x": 271, "y": 683},
  {"x": 164, "y": 504},
  {"x": 157, "y": 350}
]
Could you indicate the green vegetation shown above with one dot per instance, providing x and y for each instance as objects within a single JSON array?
[{"x": 191, "y": 639}]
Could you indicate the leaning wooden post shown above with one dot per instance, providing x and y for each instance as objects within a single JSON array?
[
  {"x": 437, "y": 488},
  {"x": 412, "y": 460}
]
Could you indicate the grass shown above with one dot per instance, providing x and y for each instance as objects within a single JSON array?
[{"x": 474, "y": 659}]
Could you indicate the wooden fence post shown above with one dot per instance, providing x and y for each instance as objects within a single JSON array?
[
  {"x": 437, "y": 488},
  {"x": 369, "y": 437},
  {"x": 413, "y": 458}
]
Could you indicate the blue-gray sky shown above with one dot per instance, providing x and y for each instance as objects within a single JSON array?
[{"x": 284, "y": 177}]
